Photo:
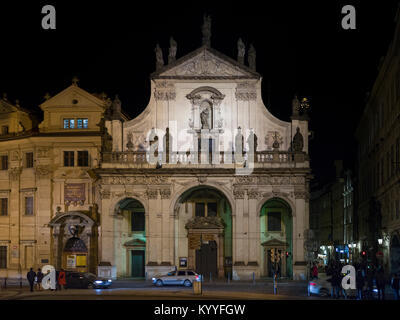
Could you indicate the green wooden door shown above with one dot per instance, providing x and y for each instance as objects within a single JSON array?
[{"x": 137, "y": 264}]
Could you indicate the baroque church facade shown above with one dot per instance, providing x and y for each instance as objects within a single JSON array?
[{"x": 205, "y": 178}]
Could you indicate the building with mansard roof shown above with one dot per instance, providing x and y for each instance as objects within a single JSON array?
[{"x": 205, "y": 178}]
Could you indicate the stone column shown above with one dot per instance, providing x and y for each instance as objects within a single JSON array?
[
  {"x": 237, "y": 231},
  {"x": 154, "y": 226},
  {"x": 167, "y": 222},
  {"x": 254, "y": 227},
  {"x": 221, "y": 270}
]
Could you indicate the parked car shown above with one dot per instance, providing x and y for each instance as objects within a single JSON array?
[
  {"x": 320, "y": 286},
  {"x": 180, "y": 277},
  {"x": 79, "y": 280}
]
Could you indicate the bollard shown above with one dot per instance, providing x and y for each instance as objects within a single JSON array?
[
  {"x": 20, "y": 282},
  {"x": 254, "y": 278},
  {"x": 229, "y": 276},
  {"x": 5, "y": 283},
  {"x": 146, "y": 276},
  {"x": 210, "y": 277}
]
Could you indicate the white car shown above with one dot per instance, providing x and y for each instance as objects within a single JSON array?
[
  {"x": 180, "y": 277},
  {"x": 323, "y": 287}
]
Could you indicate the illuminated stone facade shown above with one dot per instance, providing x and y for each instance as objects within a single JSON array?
[{"x": 156, "y": 196}]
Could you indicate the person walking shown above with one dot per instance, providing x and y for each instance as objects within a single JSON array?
[
  {"x": 360, "y": 281},
  {"x": 62, "y": 279},
  {"x": 39, "y": 276},
  {"x": 395, "y": 285},
  {"x": 315, "y": 272},
  {"x": 380, "y": 283},
  {"x": 31, "y": 278},
  {"x": 336, "y": 281}
]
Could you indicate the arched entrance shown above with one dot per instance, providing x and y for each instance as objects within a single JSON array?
[
  {"x": 74, "y": 242},
  {"x": 203, "y": 232},
  {"x": 276, "y": 224},
  {"x": 395, "y": 254},
  {"x": 131, "y": 246}
]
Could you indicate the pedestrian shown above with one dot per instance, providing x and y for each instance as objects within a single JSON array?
[
  {"x": 380, "y": 283},
  {"x": 39, "y": 277},
  {"x": 315, "y": 271},
  {"x": 370, "y": 282},
  {"x": 31, "y": 278},
  {"x": 395, "y": 285},
  {"x": 62, "y": 279},
  {"x": 336, "y": 281},
  {"x": 360, "y": 281}
]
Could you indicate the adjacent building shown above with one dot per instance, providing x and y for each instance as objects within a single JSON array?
[
  {"x": 332, "y": 218},
  {"x": 378, "y": 164}
]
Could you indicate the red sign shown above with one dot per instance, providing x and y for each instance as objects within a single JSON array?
[{"x": 379, "y": 254}]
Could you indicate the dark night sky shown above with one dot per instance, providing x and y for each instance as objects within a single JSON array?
[{"x": 300, "y": 45}]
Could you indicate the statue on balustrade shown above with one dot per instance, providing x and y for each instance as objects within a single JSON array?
[{"x": 298, "y": 141}]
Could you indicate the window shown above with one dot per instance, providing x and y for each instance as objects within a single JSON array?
[
  {"x": 3, "y": 207},
  {"x": 68, "y": 158},
  {"x": 3, "y": 257},
  {"x": 29, "y": 206},
  {"x": 69, "y": 123},
  {"x": 274, "y": 221},
  {"x": 4, "y": 130},
  {"x": 29, "y": 159},
  {"x": 190, "y": 273},
  {"x": 4, "y": 162},
  {"x": 211, "y": 209},
  {"x": 82, "y": 123},
  {"x": 200, "y": 209},
  {"x": 137, "y": 223},
  {"x": 83, "y": 158},
  {"x": 181, "y": 273}
]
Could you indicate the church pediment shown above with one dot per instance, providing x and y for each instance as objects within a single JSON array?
[
  {"x": 73, "y": 96},
  {"x": 205, "y": 63},
  {"x": 275, "y": 243}
]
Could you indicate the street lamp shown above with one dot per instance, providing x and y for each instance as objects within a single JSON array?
[{"x": 380, "y": 241}]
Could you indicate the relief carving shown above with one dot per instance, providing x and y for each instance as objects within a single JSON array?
[
  {"x": 246, "y": 91},
  {"x": 14, "y": 173},
  {"x": 165, "y": 193},
  {"x": 238, "y": 194}
]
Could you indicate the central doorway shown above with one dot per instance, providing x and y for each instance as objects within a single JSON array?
[
  {"x": 137, "y": 263},
  {"x": 206, "y": 259}
]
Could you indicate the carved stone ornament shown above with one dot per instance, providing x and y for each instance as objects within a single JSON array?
[
  {"x": 43, "y": 152},
  {"x": 238, "y": 194},
  {"x": 245, "y": 180},
  {"x": 165, "y": 193},
  {"x": 42, "y": 171},
  {"x": 121, "y": 180},
  {"x": 164, "y": 91},
  {"x": 207, "y": 65},
  {"x": 105, "y": 194},
  {"x": 202, "y": 179},
  {"x": 205, "y": 223},
  {"x": 152, "y": 194},
  {"x": 253, "y": 194},
  {"x": 14, "y": 173},
  {"x": 246, "y": 91}
]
